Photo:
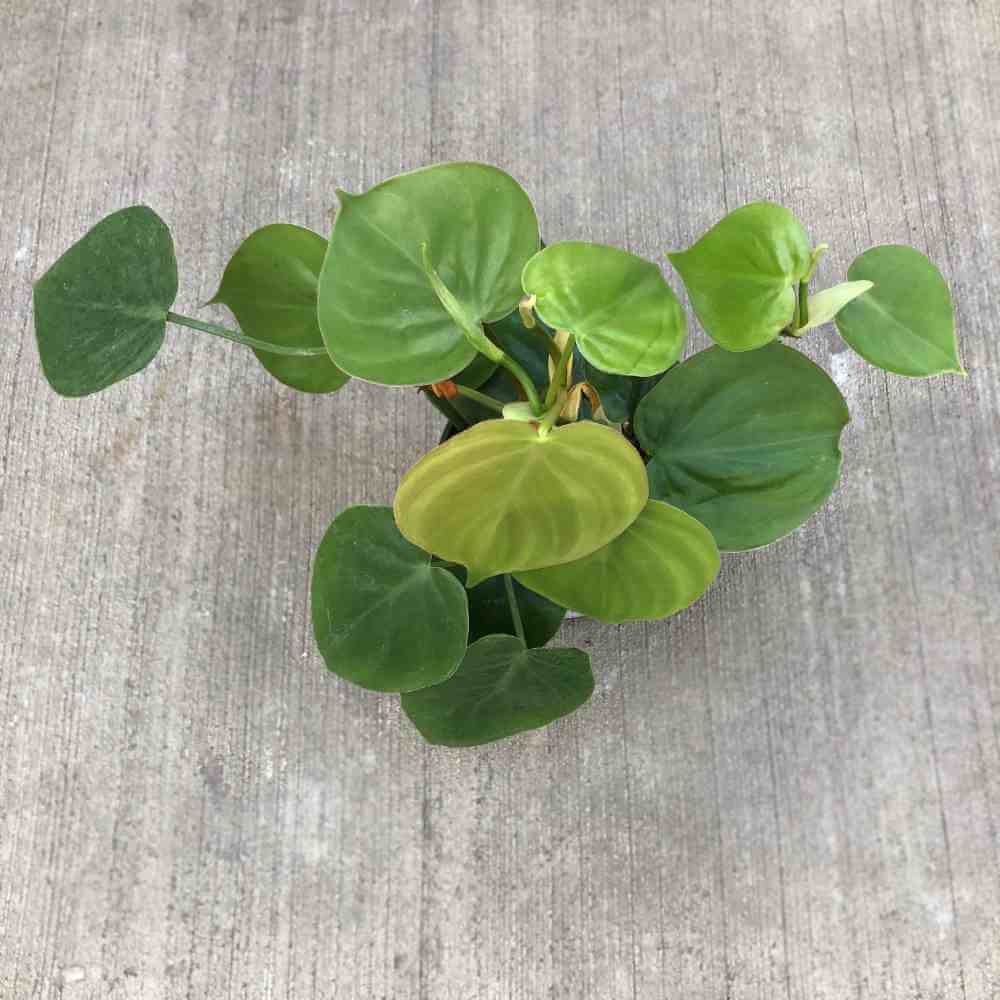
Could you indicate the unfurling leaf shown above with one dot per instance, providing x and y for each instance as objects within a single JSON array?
[{"x": 824, "y": 305}]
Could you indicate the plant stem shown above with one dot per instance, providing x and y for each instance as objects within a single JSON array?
[
  {"x": 480, "y": 397},
  {"x": 803, "y": 316},
  {"x": 558, "y": 382},
  {"x": 238, "y": 337},
  {"x": 515, "y": 611},
  {"x": 474, "y": 333},
  {"x": 524, "y": 378}
]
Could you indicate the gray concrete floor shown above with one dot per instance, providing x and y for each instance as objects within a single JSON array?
[{"x": 790, "y": 790}]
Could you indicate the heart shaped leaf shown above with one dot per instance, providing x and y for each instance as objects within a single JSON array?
[
  {"x": 489, "y": 611},
  {"x": 383, "y": 616},
  {"x": 905, "y": 324},
  {"x": 270, "y": 286},
  {"x": 824, "y": 305},
  {"x": 742, "y": 275},
  {"x": 500, "y": 497},
  {"x": 101, "y": 309},
  {"x": 662, "y": 562},
  {"x": 747, "y": 444},
  {"x": 501, "y": 689},
  {"x": 626, "y": 318},
  {"x": 380, "y": 316}
]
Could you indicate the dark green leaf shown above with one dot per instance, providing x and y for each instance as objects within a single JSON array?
[
  {"x": 101, "y": 309},
  {"x": 626, "y": 318},
  {"x": 501, "y": 689},
  {"x": 742, "y": 275},
  {"x": 383, "y": 616},
  {"x": 746, "y": 443},
  {"x": 489, "y": 611},
  {"x": 500, "y": 497},
  {"x": 270, "y": 286},
  {"x": 476, "y": 372},
  {"x": 381, "y": 318},
  {"x": 905, "y": 324},
  {"x": 620, "y": 394},
  {"x": 527, "y": 347},
  {"x": 662, "y": 562}
]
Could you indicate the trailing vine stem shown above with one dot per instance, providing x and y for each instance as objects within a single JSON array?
[{"x": 238, "y": 337}]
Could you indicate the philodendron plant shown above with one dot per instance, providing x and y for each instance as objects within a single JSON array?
[{"x": 583, "y": 464}]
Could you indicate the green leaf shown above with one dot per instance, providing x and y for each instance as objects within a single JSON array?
[
  {"x": 747, "y": 444},
  {"x": 824, "y": 305},
  {"x": 383, "y": 616},
  {"x": 626, "y": 318},
  {"x": 380, "y": 316},
  {"x": 101, "y": 309},
  {"x": 620, "y": 394},
  {"x": 501, "y": 689},
  {"x": 662, "y": 562},
  {"x": 905, "y": 324},
  {"x": 489, "y": 611},
  {"x": 499, "y": 497},
  {"x": 742, "y": 275},
  {"x": 270, "y": 286}
]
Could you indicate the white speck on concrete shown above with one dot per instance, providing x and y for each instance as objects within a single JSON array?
[{"x": 73, "y": 974}]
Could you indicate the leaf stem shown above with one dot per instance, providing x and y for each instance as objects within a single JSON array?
[
  {"x": 238, "y": 337},
  {"x": 480, "y": 397},
  {"x": 515, "y": 611},
  {"x": 558, "y": 382},
  {"x": 473, "y": 330}
]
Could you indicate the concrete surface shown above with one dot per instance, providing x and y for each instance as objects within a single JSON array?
[{"x": 791, "y": 790}]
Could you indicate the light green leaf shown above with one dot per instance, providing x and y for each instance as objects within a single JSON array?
[
  {"x": 742, "y": 275},
  {"x": 499, "y": 497},
  {"x": 380, "y": 316},
  {"x": 501, "y": 689},
  {"x": 383, "y": 616},
  {"x": 905, "y": 324},
  {"x": 101, "y": 308},
  {"x": 626, "y": 318},
  {"x": 662, "y": 562},
  {"x": 824, "y": 305},
  {"x": 270, "y": 287},
  {"x": 748, "y": 444}
]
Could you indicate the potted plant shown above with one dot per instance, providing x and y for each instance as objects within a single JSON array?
[{"x": 583, "y": 464}]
